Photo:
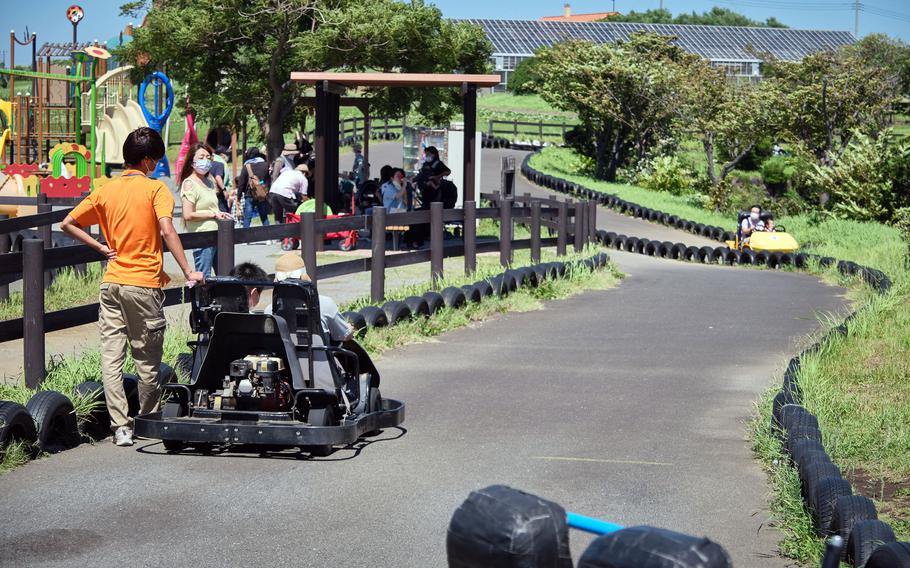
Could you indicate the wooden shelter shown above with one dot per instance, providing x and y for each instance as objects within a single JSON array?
[{"x": 330, "y": 86}]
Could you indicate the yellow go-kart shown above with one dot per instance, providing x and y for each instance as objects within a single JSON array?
[{"x": 765, "y": 241}]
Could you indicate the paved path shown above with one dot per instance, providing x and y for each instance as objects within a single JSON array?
[{"x": 628, "y": 404}]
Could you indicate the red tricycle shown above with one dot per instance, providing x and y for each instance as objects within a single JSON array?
[{"x": 348, "y": 238}]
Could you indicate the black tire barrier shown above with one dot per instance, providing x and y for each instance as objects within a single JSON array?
[
  {"x": 396, "y": 311},
  {"x": 434, "y": 300},
  {"x": 484, "y": 287},
  {"x": 453, "y": 297},
  {"x": 55, "y": 421},
  {"x": 97, "y": 424},
  {"x": 678, "y": 251},
  {"x": 531, "y": 278},
  {"x": 374, "y": 316},
  {"x": 664, "y": 218},
  {"x": 803, "y": 453},
  {"x": 780, "y": 399},
  {"x": 866, "y": 537},
  {"x": 814, "y": 468},
  {"x": 794, "y": 417},
  {"x": 609, "y": 238},
  {"x": 504, "y": 527},
  {"x": 520, "y": 276},
  {"x": 631, "y": 244},
  {"x": 665, "y": 249},
  {"x": 824, "y": 497},
  {"x": 732, "y": 257},
  {"x": 652, "y": 248},
  {"x": 541, "y": 273},
  {"x": 166, "y": 374},
  {"x": 600, "y": 236},
  {"x": 761, "y": 258},
  {"x": 637, "y": 547},
  {"x": 602, "y": 259},
  {"x": 672, "y": 220},
  {"x": 619, "y": 243},
  {"x": 746, "y": 257},
  {"x": 793, "y": 435},
  {"x": 471, "y": 293},
  {"x": 511, "y": 280},
  {"x": 418, "y": 305},
  {"x": 131, "y": 389},
  {"x": 890, "y": 555},
  {"x": 848, "y": 510},
  {"x": 706, "y": 255},
  {"x": 356, "y": 319},
  {"x": 500, "y": 288},
  {"x": 691, "y": 253},
  {"x": 16, "y": 425},
  {"x": 720, "y": 254},
  {"x": 717, "y": 234},
  {"x": 641, "y": 245}
]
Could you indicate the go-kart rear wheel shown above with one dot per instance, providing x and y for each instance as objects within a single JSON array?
[
  {"x": 319, "y": 417},
  {"x": 288, "y": 244},
  {"x": 173, "y": 446}
]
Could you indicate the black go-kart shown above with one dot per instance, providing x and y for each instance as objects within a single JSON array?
[{"x": 268, "y": 379}]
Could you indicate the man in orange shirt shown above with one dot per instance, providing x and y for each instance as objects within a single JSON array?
[{"x": 135, "y": 214}]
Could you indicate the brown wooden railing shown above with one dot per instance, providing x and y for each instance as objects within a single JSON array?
[{"x": 31, "y": 263}]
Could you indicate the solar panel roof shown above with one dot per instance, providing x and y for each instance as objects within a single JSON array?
[{"x": 718, "y": 43}]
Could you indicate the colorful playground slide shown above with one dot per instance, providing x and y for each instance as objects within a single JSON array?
[
  {"x": 6, "y": 109},
  {"x": 120, "y": 115}
]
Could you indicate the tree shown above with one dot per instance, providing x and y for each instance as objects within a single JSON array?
[
  {"x": 735, "y": 116},
  {"x": 714, "y": 17},
  {"x": 830, "y": 96},
  {"x": 624, "y": 93},
  {"x": 524, "y": 78},
  {"x": 235, "y": 57},
  {"x": 891, "y": 54}
]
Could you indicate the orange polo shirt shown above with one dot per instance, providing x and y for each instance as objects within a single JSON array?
[{"x": 128, "y": 209}]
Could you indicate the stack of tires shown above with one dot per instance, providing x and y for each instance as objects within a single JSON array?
[{"x": 397, "y": 311}]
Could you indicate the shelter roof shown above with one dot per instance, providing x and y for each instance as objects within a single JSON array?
[{"x": 396, "y": 79}]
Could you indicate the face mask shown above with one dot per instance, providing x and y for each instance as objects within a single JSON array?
[
  {"x": 754, "y": 216},
  {"x": 202, "y": 166}
]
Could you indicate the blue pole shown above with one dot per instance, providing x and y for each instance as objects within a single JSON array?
[{"x": 591, "y": 525}]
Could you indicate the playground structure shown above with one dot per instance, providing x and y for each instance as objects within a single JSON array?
[{"x": 70, "y": 121}]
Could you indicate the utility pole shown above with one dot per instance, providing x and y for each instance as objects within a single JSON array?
[
  {"x": 856, "y": 6},
  {"x": 661, "y": 5}
]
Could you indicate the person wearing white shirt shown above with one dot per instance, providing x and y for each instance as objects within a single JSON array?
[{"x": 287, "y": 190}]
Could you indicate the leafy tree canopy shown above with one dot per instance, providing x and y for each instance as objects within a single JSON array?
[
  {"x": 235, "y": 57},
  {"x": 714, "y": 17}
]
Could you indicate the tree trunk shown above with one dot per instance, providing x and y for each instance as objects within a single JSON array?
[
  {"x": 728, "y": 167},
  {"x": 600, "y": 154},
  {"x": 708, "y": 143},
  {"x": 615, "y": 154}
]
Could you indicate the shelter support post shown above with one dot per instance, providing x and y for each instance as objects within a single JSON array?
[
  {"x": 377, "y": 266},
  {"x": 469, "y": 107},
  {"x": 470, "y": 237},
  {"x": 33, "y": 311},
  {"x": 436, "y": 242}
]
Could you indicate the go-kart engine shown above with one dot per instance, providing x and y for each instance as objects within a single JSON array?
[{"x": 256, "y": 382}]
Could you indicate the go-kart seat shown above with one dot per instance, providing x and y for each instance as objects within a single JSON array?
[
  {"x": 211, "y": 299},
  {"x": 297, "y": 302},
  {"x": 743, "y": 215}
]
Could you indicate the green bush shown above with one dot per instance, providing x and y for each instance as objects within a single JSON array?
[
  {"x": 524, "y": 79},
  {"x": 783, "y": 173},
  {"x": 869, "y": 182},
  {"x": 668, "y": 174},
  {"x": 753, "y": 159}
]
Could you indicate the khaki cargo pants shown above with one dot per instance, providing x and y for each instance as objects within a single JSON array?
[{"x": 134, "y": 314}]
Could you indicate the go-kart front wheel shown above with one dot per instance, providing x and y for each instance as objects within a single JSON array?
[{"x": 174, "y": 446}]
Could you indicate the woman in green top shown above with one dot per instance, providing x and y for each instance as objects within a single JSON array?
[{"x": 200, "y": 202}]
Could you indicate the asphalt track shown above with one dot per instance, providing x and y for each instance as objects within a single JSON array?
[{"x": 628, "y": 404}]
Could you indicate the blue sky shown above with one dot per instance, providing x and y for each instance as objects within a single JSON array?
[{"x": 102, "y": 21}]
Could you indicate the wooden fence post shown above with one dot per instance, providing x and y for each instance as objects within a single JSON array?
[
  {"x": 535, "y": 232},
  {"x": 470, "y": 237},
  {"x": 562, "y": 224},
  {"x": 44, "y": 232},
  {"x": 4, "y": 248},
  {"x": 225, "y": 250},
  {"x": 308, "y": 244},
  {"x": 579, "y": 226},
  {"x": 377, "y": 266},
  {"x": 505, "y": 232},
  {"x": 436, "y": 242},
  {"x": 33, "y": 311}
]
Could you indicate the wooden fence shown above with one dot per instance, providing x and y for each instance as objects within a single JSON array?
[
  {"x": 516, "y": 128},
  {"x": 35, "y": 259},
  {"x": 352, "y": 128}
]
